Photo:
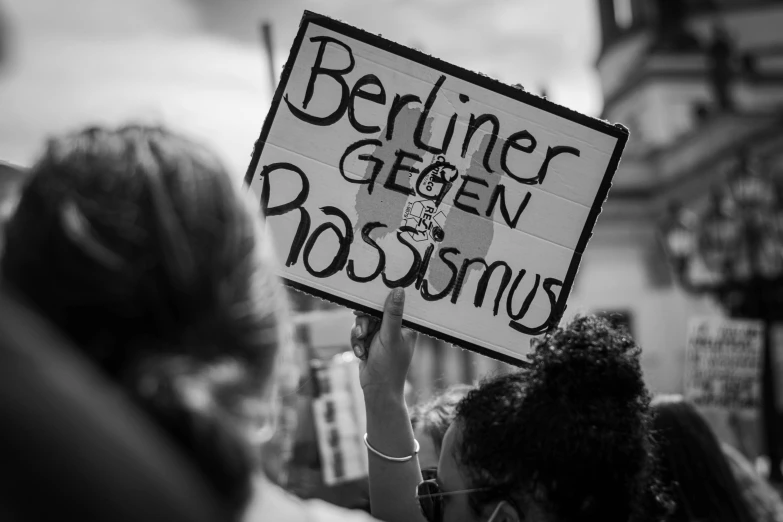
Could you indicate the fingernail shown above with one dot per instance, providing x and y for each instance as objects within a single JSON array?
[
  {"x": 358, "y": 332},
  {"x": 358, "y": 351},
  {"x": 398, "y": 295}
]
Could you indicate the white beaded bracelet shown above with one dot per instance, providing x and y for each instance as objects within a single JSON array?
[{"x": 393, "y": 459}]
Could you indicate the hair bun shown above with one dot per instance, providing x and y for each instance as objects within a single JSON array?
[
  {"x": 571, "y": 430},
  {"x": 588, "y": 362},
  {"x": 586, "y": 393}
]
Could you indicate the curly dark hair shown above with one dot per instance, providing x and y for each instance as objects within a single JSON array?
[
  {"x": 136, "y": 241},
  {"x": 568, "y": 434}
]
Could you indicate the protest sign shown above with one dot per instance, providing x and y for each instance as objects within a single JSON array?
[
  {"x": 723, "y": 362},
  {"x": 380, "y": 167}
]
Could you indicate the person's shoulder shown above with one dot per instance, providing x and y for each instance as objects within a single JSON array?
[{"x": 274, "y": 503}]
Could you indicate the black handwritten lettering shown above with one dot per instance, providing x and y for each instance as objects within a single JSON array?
[
  {"x": 377, "y": 163},
  {"x": 483, "y": 283},
  {"x": 500, "y": 193},
  {"x": 550, "y": 322},
  {"x": 445, "y": 183},
  {"x": 375, "y": 97},
  {"x": 528, "y": 300},
  {"x": 344, "y": 239},
  {"x": 551, "y": 153},
  {"x": 366, "y": 230},
  {"x": 410, "y": 277},
  {"x": 473, "y": 126},
  {"x": 297, "y": 202},
  {"x": 513, "y": 142},
  {"x": 418, "y": 133},
  {"x": 425, "y": 264},
  {"x": 335, "y": 74},
  {"x": 461, "y": 277},
  {"x": 370, "y": 89},
  {"x": 302, "y": 230},
  {"x": 462, "y": 192},
  {"x": 425, "y": 294},
  {"x": 399, "y": 166}
]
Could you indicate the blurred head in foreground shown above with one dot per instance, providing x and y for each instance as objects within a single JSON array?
[
  {"x": 565, "y": 439},
  {"x": 136, "y": 243},
  {"x": 11, "y": 179},
  {"x": 431, "y": 420},
  {"x": 693, "y": 462}
]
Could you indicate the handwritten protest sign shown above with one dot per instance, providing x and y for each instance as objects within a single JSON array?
[
  {"x": 381, "y": 167},
  {"x": 723, "y": 362}
]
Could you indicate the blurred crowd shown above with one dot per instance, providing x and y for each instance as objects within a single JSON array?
[{"x": 146, "y": 348}]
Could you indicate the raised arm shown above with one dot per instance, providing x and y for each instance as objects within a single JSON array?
[{"x": 386, "y": 352}]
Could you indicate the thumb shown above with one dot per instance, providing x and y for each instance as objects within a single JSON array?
[{"x": 391, "y": 326}]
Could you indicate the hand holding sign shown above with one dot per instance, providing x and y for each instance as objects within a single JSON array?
[{"x": 385, "y": 348}]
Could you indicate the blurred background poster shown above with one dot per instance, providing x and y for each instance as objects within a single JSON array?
[
  {"x": 723, "y": 362},
  {"x": 328, "y": 458},
  {"x": 338, "y": 411},
  {"x": 722, "y": 376}
]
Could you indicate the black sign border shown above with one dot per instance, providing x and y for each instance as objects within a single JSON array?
[{"x": 616, "y": 131}]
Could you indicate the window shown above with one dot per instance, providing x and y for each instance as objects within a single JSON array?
[{"x": 623, "y": 13}]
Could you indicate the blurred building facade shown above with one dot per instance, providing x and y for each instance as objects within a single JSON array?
[{"x": 696, "y": 82}]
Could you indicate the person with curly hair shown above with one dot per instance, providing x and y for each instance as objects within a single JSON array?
[
  {"x": 704, "y": 484},
  {"x": 137, "y": 244},
  {"x": 565, "y": 438}
]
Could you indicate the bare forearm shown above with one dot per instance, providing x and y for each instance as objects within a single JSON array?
[{"x": 392, "y": 484}]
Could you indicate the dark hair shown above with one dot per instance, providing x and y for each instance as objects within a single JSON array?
[
  {"x": 693, "y": 462},
  {"x": 136, "y": 241},
  {"x": 137, "y": 244},
  {"x": 436, "y": 415},
  {"x": 569, "y": 434}
]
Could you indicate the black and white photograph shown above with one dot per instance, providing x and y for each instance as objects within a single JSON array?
[{"x": 391, "y": 260}]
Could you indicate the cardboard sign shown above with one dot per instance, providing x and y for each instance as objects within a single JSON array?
[
  {"x": 723, "y": 362},
  {"x": 381, "y": 167}
]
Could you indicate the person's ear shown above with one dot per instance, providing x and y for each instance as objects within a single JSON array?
[{"x": 505, "y": 512}]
